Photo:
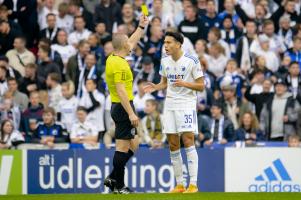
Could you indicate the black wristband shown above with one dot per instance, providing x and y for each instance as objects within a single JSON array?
[{"x": 142, "y": 27}]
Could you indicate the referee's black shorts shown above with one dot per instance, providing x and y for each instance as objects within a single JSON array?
[{"x": 123, "y": 127}]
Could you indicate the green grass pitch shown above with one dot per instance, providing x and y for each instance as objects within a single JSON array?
[{"x": 201, "y": 196}]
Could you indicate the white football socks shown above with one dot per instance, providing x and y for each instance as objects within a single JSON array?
[
  {"x": 193, "y": 163},
  {"x": 177, "y": 162}
]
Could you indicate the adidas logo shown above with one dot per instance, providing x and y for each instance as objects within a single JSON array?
[{"x": 275, "y": 178}]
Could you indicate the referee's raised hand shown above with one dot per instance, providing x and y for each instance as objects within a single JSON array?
[{"x": 134, "y": 119}]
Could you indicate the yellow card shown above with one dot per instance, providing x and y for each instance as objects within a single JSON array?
[{"x": 144, "y": 9}]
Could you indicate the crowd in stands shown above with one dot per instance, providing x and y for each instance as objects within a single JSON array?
[{"x": 53, "y": 55}]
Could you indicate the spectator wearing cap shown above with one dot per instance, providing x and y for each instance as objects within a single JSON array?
[
  {"x": 221, "y": 127},
  {"x": 192, "y": 27},
  {"x": 7, "y": 36},
  {"x": 295, "y": 52},
  {"x": 51, "y": 31},
  {"x": 230, "y": 34},
  {"x": 279, "y": 114},
  {"x": 107, "y": 11},
  {"x": 233, "y": 107},
  {"x": 293, "y": 81},
  {"x": 20, "y": 56},
  {"x": 11, "y": 72},
  {"x": 271, "y": 59}
]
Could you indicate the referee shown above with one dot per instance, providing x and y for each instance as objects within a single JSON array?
[{"x": 119, "y": 79}]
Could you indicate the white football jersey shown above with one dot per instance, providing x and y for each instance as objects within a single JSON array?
[
  {"x": 67, "y": 108},
  {"x": 187, "y": 68}
]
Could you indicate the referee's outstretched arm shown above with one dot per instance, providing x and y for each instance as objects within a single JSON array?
[{"x": 136, "y": 36}]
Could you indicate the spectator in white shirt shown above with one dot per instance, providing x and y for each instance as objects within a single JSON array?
[
  {"x": 64, "y": 20},
  {"x": 67, "y": 106},
  {"x": 217, "y": 60},
  {"x": 94, "y": 102},
  {"x": 62, "y": 47},
  {"x": 44, "y": 8},
  {"x": 214, "y": 36},
  {"x": 9, "y": 135},
  {"x": 55, "y": 90},
  {"x": 140, "y": 98},
  {"x": 80, "y": 32},
  {"x": 83, "y": 131},
  {"x": 271, "y": 59}
]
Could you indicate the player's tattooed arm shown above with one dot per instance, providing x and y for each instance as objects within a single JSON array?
[
  {"x": 198, "y": 85},
  {"x": 151, "y": 87}
]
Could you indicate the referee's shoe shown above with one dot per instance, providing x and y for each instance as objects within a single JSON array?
[
  {"x": 110, "y": 183},
  {"x": 124, "y": 190}
]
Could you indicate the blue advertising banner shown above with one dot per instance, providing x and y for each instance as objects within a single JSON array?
[{"x": 83, "y": 171}]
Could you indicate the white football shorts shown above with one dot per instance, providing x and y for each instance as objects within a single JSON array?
[{"x": 180, "y": 121}]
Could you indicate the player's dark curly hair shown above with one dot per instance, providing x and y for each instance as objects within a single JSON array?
[{"x": 176, "y": 35}]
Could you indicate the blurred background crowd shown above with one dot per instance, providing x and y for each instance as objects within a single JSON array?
[{"x": 53, "y": 54}]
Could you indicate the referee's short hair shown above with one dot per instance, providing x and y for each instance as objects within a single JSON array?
[
  {"x": 118, "y": 41},
  {"x": 176, "y": 35}
]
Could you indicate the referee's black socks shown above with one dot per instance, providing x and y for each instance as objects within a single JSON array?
[{"x": 119, "y": 161}]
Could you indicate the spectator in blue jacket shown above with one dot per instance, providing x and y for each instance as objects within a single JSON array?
[
  {"x": 49, "y": 132},
  {"x": 295, "y": 52},
  {"x": 248, "y": 130},
  {"x": 210, "y": 19},
  {"x": 221, "y": 127}
]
